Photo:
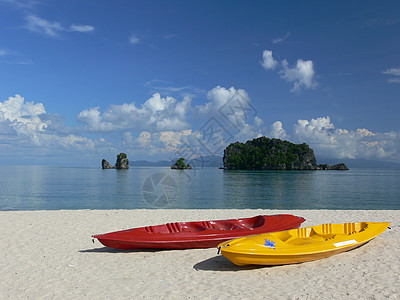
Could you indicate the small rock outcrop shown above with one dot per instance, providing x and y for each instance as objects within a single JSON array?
[
  {"x": 180, "y": 165},
  {"x": 272, "y": 154},
  {"x": 122, "y": 163},
  {"x": 339, "y": 167},
  {"x": 106, "y": 165}
]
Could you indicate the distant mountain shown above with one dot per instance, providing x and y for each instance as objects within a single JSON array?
[
  {"x": 199, "y": 162},
  {"x": 362, "y": 163},
  {"x": 210, "y": 161},
  {"x": 145, "y": 163}
]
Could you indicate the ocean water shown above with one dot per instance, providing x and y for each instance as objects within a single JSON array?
[{"x": 53, "y": 188}]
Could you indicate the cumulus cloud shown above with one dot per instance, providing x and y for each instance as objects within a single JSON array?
[
  {"x": 326, "y": 140},
  {"x": 24, "y": 118},
  {"x": 231, "y": 117},
  {"x": 166, "y": 142},
  {"x": 231, "y": 104},
  {"x": 28, "y": 123},
  {"x": 144, "y": 139},
  {"x": 301, "y": 75},
  {"x": 277, "y": 131},
  {"x": 395, "y": 73},
  {"x": 156, "y": 114},
  {"x": 227, "y": 115},
  {"x": 268, "y": 62},
  {"x": 52, "y": 29},
  {"x": 173, "y": 138},
  {"x": 159, "y": 126}
]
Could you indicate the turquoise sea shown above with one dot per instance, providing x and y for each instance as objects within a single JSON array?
[{"x": 53, "y": 188}]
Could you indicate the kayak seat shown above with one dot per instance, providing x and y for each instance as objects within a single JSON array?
[
  {"x": 192, "y": 226},
  {"x": 223, "y": 225},
  {"x": 251, "y": 223}
]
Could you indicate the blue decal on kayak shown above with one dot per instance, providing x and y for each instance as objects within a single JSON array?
[{"x": 269, "y": 244}]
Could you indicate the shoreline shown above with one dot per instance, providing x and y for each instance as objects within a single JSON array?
[{"x": 49, "y": 254}]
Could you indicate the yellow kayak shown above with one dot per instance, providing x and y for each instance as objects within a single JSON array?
[{"x": 300, "y": 245}]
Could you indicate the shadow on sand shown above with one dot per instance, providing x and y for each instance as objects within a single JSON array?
[
  {"x": 112, "y": 250},
  {"x": 220, "y": 263}
]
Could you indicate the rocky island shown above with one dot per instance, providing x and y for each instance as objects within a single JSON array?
[
  {"x": 121, "y": 163},
  {"x": 272, "y": 154},
  {"x": 180, "y": 165}
]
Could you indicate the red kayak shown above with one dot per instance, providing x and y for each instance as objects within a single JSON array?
[{"x": 201, "y": 234}]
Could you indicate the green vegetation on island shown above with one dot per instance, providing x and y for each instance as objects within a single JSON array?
[
  {"x": 272, "y": 154},
  {"x": 180, "y": 164}
]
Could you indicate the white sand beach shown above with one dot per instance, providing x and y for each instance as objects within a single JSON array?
[{"x": 50, "y": 255}]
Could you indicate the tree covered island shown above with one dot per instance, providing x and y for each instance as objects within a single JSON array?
[
  {"x": 180, "y": 165},
  {"x": 272, "y": 154}
]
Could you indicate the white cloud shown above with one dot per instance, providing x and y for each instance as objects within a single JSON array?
[
  {"x": 232, "y": 104},
  {"x": 12, "y": 57},
  {"x": 232, "y": 108},
  {"x": 22, "y": 4},
  {"x": 159, "y": 126},
  {"x": 268, "y": 62},
  {"x": 248, "y": 132},
  {"x": 277, "y": 131},
  {"x": 173, "y": 138},
  {"x": 167, "y": 87},
  {"x": 134, "y": 39},
  {"x": 393, "y": 72},
  {"x": 302, "y": 74},
  {"x": 144, "y": 139},
  {"x": 160, "y": 123},
  {"x": 327, "y": 141},
  {"x": 81, "y": 28},
  {"x": 24, "y": 118},
  {"x": 52, "y": 29},
  {"x": 36, "y": 24},
  {"x": 394, "y": 80},
  {"x": 156, "y": 114},
  {"x": 28, "y": 123},
  {"x": 165, "y": 142},
  {"x": 181, "y": 140},
  {"x": 281, "y": 39}
]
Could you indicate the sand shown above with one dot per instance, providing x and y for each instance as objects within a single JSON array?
[{"x": 50, "y": 255}]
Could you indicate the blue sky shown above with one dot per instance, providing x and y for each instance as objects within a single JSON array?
[{"x": 85, "y": 80}]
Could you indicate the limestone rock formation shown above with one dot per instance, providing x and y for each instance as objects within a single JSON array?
[
  {"x": 272, "y": 154},
  {"x": 340, "y": 167},
  {"x": 180, "y": 165},
  {"x": 122, "y": 162},
  {"x": 106, "y": 165}
]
